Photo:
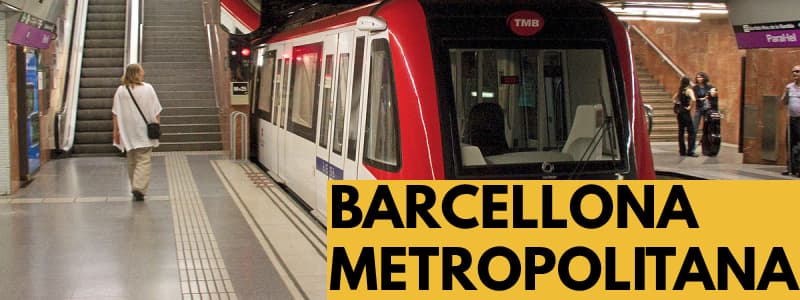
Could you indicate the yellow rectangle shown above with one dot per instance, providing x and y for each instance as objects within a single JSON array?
[{"x": 562, "y": 239}]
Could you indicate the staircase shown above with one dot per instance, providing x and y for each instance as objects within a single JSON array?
[
  {"x": 665, "y": 125},
  {"x": 175, "y": 58},
  {"x": 103, "y": 59}
]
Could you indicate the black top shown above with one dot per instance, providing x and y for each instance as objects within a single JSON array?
[
  {"x": 701, "y": 92},
  {"x": 684, "y": 99}
]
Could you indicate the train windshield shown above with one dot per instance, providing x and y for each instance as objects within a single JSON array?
[{"x": 534, "y": 111}]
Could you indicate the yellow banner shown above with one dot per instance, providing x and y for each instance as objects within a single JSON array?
[{"x": 563, "y": 240}]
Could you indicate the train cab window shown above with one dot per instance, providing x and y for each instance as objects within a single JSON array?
[
  {"x": 305, "y": 90},
  {"x": 265, "y": 84},
  {"x": 338, "y": 123},
  {"x": 327, "y": 102},
  {"x": 533, "y": 109},
  {"x": 355, "y": 103},
  {"x": 382, "y": 137}
]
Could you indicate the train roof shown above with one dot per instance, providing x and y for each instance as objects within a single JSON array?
[
  {"x": 341, "y": 19},
  {"x": 440, "y": 8}
]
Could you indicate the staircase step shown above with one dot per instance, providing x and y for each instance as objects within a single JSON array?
[
  {"x": 100, "y": 82},
  {"x": 110, "y": 62},
  {"x": 104, "y": 43},
  {"x": 96, "y": 92},
  {"x": 185, "y": 94},
  {"x": 94, "y": 114},
  {"x": 201, "y": 69},
  {"x": 104, "y": 52},
  {"x": 162, "y": 67},
  {"x": 158, "y": 15},
  {"x": 94, "y": 125},
  {"x": 197, "y": 23},
  {"x": 178, "y": 128},
  {"x": 189, "y": 119},
  {"x": 101, "y": 72},
  {"x": 189, "y": 146},
  {"x": 95, "y": 103},
  {"x": 105, "y": 17},
  {"x": 194, "y": 111},
  {"x": 105, "y": 25},
  {"x": 107, "y": 8},
  {"x": 185, "y": 86},
  {"x": 214, "y": 137},
  {"x": 189, "y": 32},
  {"x": 105, "y": 34},
  {"x": 98, "y": 137},
  {"x": 106, "y": 2},
  {"x": 165, "y": 58},
  {"x": 165, "y": 103},
  {"x": 95, "y": 149}
]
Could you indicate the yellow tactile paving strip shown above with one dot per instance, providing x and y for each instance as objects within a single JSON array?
[{"x": 202, "y": 270}]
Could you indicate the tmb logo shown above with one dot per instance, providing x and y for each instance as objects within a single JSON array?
[{"x": 525, "y": 22}]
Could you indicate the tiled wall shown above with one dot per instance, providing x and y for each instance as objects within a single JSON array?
[
  {"x": 768, "y": 72},
  {"x": 708, "y": 46}
]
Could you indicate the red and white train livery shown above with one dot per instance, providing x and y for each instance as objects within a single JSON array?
[{"x": 407, "y": 89}]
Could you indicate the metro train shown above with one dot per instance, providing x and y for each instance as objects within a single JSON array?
[{"x": 408, "y": 89}]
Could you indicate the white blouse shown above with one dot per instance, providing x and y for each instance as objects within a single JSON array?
[{"x": 132, "y": 129}]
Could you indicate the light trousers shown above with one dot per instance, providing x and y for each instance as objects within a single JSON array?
[{"x": 139, "y": 168}]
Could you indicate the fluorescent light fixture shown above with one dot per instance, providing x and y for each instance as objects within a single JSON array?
[
  {"x": 665, "y": 11},
  {"x": 659, "y": 19}
]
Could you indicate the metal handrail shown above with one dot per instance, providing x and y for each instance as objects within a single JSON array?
[
  {"x": 242, "y": 120},
  {"x": 67, "y": 120},
  {"x": 134, "y": 12},
  {"x": 660, "y": 53}
]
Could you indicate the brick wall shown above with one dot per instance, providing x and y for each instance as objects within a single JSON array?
[{"x": 708, "y": 46}]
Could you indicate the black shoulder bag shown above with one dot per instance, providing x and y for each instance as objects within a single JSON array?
[{"x": 153, "y": 129}]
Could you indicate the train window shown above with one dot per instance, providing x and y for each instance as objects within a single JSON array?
[
  {"x": 338, "y": 124},
  {"x": 382, "y": 137},
  {"x": 533, "y": 106},
  {"x": 265, "y": 86},
  {"x": 358, "y": 66},
  {"x": 305, "y": 90},
  {"x": 256, "y": 81},
  {"x": 327, "y": 102}
]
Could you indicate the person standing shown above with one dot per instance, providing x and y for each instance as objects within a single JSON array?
[
  {"x": 683, "y": 100},
  {"x": 707, "y": 101},
  {"x": 130, "y": 130},
  {"x": 791, "y": 97}
]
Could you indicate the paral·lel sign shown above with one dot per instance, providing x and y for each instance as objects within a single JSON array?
[
  {"x": 768, "y": 35},
  {"x": 765, "y": 24}
]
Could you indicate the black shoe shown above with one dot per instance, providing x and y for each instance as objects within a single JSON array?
[
  {"x": 138, "y": 196},
  {"x": 692, "y": 154},
  {"x": 786, "y": 173}
]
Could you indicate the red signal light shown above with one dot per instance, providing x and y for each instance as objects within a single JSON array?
[{"x": 245, "y": 52}]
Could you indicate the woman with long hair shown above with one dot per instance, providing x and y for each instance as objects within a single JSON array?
[
  {"x": 135, "y": 106},
  {"x": 683, "y": 99},
  {"x": 707, "y": 101}
]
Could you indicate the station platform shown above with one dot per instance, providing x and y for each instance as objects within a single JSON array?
[{"x": 209, "y": 228}]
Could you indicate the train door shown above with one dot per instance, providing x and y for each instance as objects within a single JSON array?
[
  {"x": 262, "y": 106},
  {"x": 276, "y": 149},
  {"x": 353, "y": 109},
  {"x": 330, "y": 151}
]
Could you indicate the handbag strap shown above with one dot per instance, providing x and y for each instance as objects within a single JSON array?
[{"x": 137, "y": 105}]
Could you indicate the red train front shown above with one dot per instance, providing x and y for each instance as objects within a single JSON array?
[{"x": 408, "y": 90}]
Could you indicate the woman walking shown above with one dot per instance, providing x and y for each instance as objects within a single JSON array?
[
  {"x": 683, "y": 100},
  {"x": 135, "y": 106}
]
